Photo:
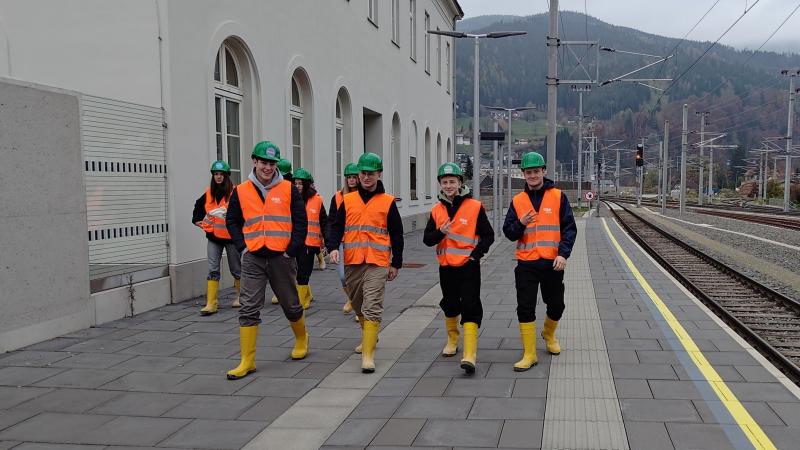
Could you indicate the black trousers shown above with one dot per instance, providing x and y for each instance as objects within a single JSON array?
[
  {"x": 528, "y": 278},
  {"x": 305, "y": 264},
  {"x": 461, "y": 289}
]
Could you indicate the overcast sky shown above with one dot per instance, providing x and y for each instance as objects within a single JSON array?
[{"x": 674, "y": 18}]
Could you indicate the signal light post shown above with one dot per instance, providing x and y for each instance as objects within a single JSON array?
[{"x": 639, "y": 170}]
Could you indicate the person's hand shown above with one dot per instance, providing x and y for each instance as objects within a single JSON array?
[
  {"x": 446, "y": 226},
  {"x": 392, "y": 273},
  {"x": 334, "y": 256},
  {"x": 529, "y": 217},
  {"x": 199, "y": 224},
  {"x": 560, "y": 263}
]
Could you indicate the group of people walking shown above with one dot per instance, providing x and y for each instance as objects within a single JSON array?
[{"x": 274, "y": 225}]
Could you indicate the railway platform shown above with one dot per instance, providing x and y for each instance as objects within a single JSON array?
[{"x": 644, "y": 365}]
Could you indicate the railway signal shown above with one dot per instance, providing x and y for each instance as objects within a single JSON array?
[{"x": 639, "y": 155}]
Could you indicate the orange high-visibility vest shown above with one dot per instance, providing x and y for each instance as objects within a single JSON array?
[
  {"x": 267, "y": 223},
  {"x": 338, "y": 198},
  {"x": 313, "y": 207},
  {"x": 458, "y": 244},
  {"x": 366, "y": 233},
  {"x": 211, "y": 224},
  {"x": 542, "y": 236}
]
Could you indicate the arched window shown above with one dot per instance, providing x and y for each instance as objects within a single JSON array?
[
  {"x": 228, "y": 99},
  {"x": 396, "y": 157},
  {"x": 449, "y": 154},
  {"x": 438, "y": 152},
  {"x": 427, "y": 161},
  {"x": 413, "y": 149},
  {"x": 300, "y": 121},
  {"x": 342, "y": 137}
]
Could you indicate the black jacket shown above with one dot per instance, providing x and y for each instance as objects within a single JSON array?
[
  {"x": 234, "y": 220},
  {"x": 513, "y": 228},
  {"x": 394, "y": 224},
  {"x": 199, "y": 213},
  {"x": 433, "y": 236}
]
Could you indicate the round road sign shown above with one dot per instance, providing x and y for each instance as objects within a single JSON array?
[{"x": 589, "y": 195}]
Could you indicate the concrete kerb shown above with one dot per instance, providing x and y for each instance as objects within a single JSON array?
[{"x": 315, "y": 417}]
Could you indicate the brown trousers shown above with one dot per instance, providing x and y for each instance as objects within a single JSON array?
[
  {"x": 280, "y": 272},
  {"x": 366, "y": 284}
]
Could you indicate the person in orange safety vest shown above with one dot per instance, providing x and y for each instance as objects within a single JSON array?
[
  {"x": 317, "y": 222},
  {"x": 209, "y": 215},
  {"x": 462, "y": 234},
  {"x": 369, "y": 227},
  {"x": 267, "y": 222},
  {"x": 540, "y": 220}
]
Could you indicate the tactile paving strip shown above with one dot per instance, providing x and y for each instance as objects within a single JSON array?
[{"x": 582, "y": 409}]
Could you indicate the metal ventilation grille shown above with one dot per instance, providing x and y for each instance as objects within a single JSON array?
[{"x": 125, "y": 168}]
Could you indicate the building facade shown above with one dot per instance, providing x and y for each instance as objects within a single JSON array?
[{"x": 167, "y": 87}]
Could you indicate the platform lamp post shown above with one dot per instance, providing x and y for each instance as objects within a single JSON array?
[
  {"x": 510, "y": 112},
  {"x": 476, "y": 146}
]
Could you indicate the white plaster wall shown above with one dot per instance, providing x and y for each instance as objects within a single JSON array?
[
  {"x": 337, "y": 46},
  {"x": 107, "y": 48}
]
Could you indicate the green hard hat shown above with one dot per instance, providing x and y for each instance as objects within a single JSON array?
[
  {"x": 267, "y": 150},
  {"x": 220, "y": 166},
  {"x": 370, "y": 162},
  {"x": 449, "y": 168},
  {"x": 351, "y": 169},
  {"x": 530, "y": 160},
  {"x": 302, "y": 174},
  {"x": 284, "y": 166}
]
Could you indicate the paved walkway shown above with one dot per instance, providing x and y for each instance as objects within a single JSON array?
[{"x": 622, "y": 381}]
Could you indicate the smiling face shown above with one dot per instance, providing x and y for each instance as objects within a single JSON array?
[
  {"x": 219, "y": 177},
  {"x": 450, "y": 185},
  {"x": 535, "y": 177},
  {"x": 299, "y": 185},
  {"x": 264, "y": 170},
  {"x": 352, "y": 181},
  {"x": 369, "y": 180}
]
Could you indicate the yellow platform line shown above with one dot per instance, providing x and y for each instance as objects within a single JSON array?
[{"x": 743, "y": 419}]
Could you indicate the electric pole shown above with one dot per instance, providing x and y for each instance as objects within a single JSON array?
[
  {"x": 552, "y": 83},
  {"x": 702, "y": 115},
  {"x": 684, "y": 137},
  {"x": 665, "y": 170},
  {"x": 580, "y": 89},
  {"x": 787, "y": 176},
  {"x": 495, "y": 199}
]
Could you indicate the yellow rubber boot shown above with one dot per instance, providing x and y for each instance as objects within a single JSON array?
[
  {"x": 237, "y": 284},
  {"x": 302, "y": 294},
  {"x": 274, "y": 300},
  {"x": 368, "y": 340},
  {"x": 247, "y": 345},
  {"x": 211, "y": 298},
  {"x": 309, "y": 294},
  {"x": 549, "y": 335},
  {"x": 360, "y": 320},
  {"x": 300, "y": 349},
  {"x": 527, "y": 331},
  {"x": 470, "y": 347},
  {"x": 451, "y": 324}
]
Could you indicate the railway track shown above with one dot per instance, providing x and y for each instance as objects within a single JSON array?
[{"x": 767, "y": 319}]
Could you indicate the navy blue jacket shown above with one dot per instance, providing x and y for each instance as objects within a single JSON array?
[{"x": 514, "y": 229}]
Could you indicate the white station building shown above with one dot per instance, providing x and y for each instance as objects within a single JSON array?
[{"x": 155, "y": 90}]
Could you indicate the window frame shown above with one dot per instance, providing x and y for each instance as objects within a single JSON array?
[
  {"x": 223, "y": 93},
  {"x": 372, "y": 12},
  {"x": 296, "y": 113},
  {"x": 396, "y": 22},
  {"x": 447, "y": 66},
  {"x": 438, "y": 58},
  {"x": 412, "y": 39},
  {"x": 427, "y": 43},
  {"x": 338, "y": 145}
]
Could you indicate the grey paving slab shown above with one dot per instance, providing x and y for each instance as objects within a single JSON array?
[
  {"x": 268, "y": 409},
  {"x": 694, "y": 436},
  {"x": 508, "y": 408},
  {"x": 460, "y": 432},
  {"x": 146, "y": 381},
  {"x": 151, "y": 364},
  {"x": 759, "y": 411},
  {"x": 11, "y": 418},
  {"x": 648, "y": 435},
  {"x": 487, "y": 387},
  {"x": 214, "y": 434},
  {"x": 521, "y": 434},
  {"x": 430, "y": 387},
  {"x": 140, "y": 404},
  {"x": 275, "y": 387},
  {"x": 356, "y": 432},
  {"x": 393, "y": 387},
  {"x": 92, "y": 360},
  {"x": 376, "y": 407},
  {"x": 68, "y": 400},
  {"x": 24, "y": 376},
  {"x": 398, "y": 432},
  {"x": 11, "y": 396},
  {"x": 82, "y": 378},
  {"x": 58, "y": 428},
  {"x": 100, "y": 346},
  {"x": 212, "y": 407},
  {"x": 29, "y": 358},
  {"x": 142, "y": 431}
]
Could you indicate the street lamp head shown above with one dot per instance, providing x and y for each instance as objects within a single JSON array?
[
  {"x": 607, "y": 49},
  {"x": 502, "y": 34},
  {"x": 455, "y": 34}
]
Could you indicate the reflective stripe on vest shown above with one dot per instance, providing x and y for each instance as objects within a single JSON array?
[
  {"x": 215, "y": 225},
  {"x": 458, "y": 244},
  {"x": 542, "y": 236},
  {"x": 267, "y": 223},
  {"x": 314, "y": 236},
  {"x": 366, "y": 235}
]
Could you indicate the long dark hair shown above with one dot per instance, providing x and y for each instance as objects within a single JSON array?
[
  {"x": 222, "y": 190},
  {"x": 308, "y": 190}
]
